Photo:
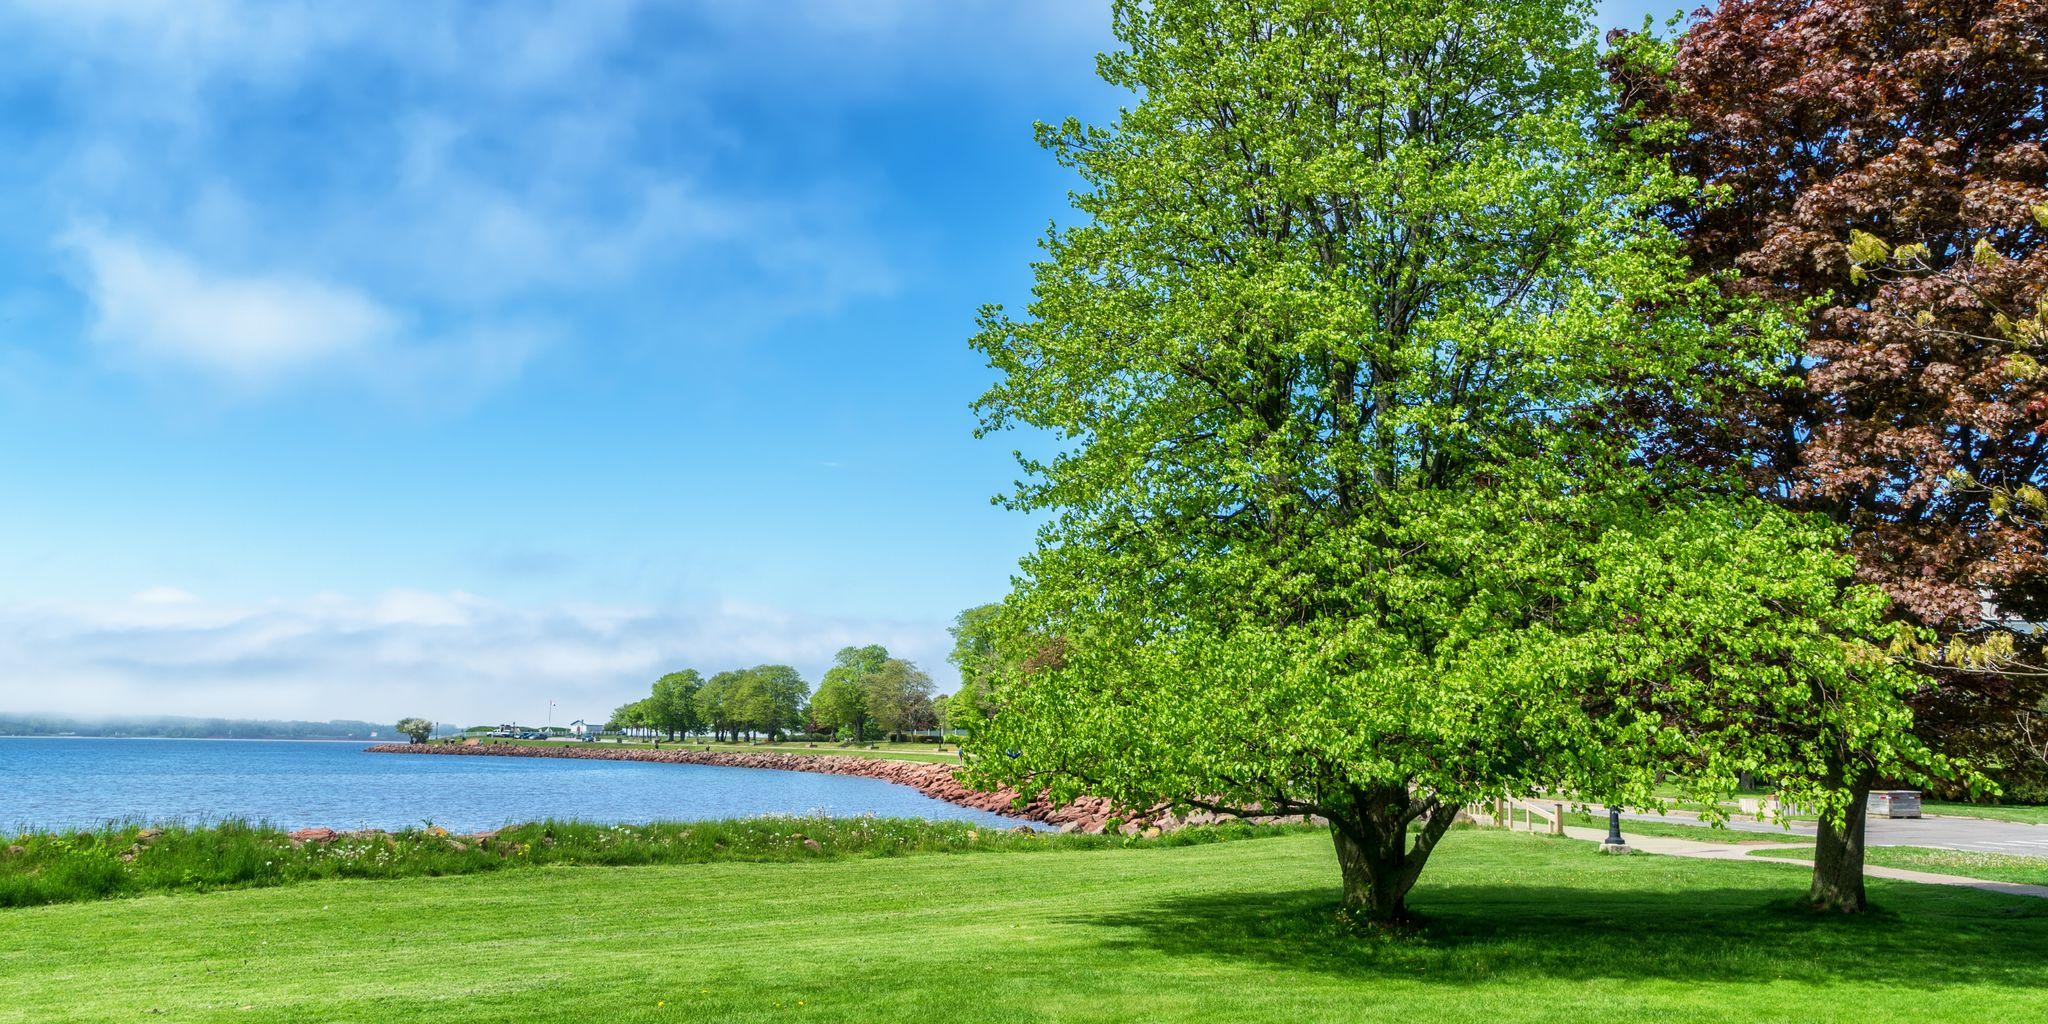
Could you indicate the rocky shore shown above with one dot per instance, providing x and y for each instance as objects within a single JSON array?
[{"x": 938, "y": 781}]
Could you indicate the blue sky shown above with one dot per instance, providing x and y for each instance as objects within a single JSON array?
[{"x": 386, "y": 358}]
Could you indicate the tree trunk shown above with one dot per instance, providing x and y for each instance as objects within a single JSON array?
[
  {"x": 1838, "y": 851},
  {"x": 1374, "y": 855}
]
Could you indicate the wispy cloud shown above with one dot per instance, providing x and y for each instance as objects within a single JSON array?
[
  {"x": 453, "y": 656},
  {"x": 283, "y": 187},
  {"x": 154, "y": 309},
  {"x": 536, "y": 43},
  {"x": 153, "y": 305}
]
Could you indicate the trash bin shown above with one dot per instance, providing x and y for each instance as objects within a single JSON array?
[{"x": 1894, "y": 803}]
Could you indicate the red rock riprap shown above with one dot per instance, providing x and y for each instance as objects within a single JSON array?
[{"x": 1087, "y": 814}]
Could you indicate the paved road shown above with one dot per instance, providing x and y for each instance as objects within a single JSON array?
[
  {"x": 1741, "y": 851},
  {"x": 1978, "y": 834}
]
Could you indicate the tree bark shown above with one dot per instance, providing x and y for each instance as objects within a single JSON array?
[
  {"x": 1838, "y": 850},
  {"x": 1375, "y": 857}
]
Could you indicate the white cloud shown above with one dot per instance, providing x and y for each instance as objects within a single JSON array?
[
  {"x": 152, "y": 305},
  {"x": 458, "y": 165},
  {"x": 530, "y": 43},
  {"x": 452, "y": 656},
  {"x": 154, "y": 308},
  {"x": 192, "y": 35},
  {"x": 419, "y": 197},
  {"x": 572, "y": 215},
  {"x": 179, "y": 47}
]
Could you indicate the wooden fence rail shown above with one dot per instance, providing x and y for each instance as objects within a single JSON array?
[{"x": 1501, "y": 812}]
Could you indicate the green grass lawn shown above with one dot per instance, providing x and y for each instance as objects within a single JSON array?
[
  {"x": 2030, "y": 815},
  {"x": 1996, "y": 867},
  {"x": 1523, "y": 929}
]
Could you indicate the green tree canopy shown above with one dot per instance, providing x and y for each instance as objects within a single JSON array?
[
  {"x": 416, "y": 729},
  {"x": 843, "y": 700},
  {"x": 975, "y": 653},
  {"x": 974, "y": 640},
  {"x": 840, "y": 706},
  {"x": 672, "y": 704},
  {"x": 1878, "y": 166},
  {"x": 634, "y": 715},
  {"x": 899, "y": 698},
  {"x": 770, "y": 698},
  {"x": 1338, "y": 350},
  {"x": 965, "y": 708},
  {"x": 1725, "y": 638},
  {"x": 718, "y": 702}
]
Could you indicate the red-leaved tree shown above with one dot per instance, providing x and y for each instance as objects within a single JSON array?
[{"x": 1879, "y": 165}]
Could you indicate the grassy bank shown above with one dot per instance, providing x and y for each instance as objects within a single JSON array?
[
  {"x": 1522, "y": 929},
  {"x": 1995, "y": 867},
  {"x": 133, "y": 861}
]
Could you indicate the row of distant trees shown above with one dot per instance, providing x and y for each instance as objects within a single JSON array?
[
  {"x": 866, "y": 694},
  {"x": 177, "y": 727}
]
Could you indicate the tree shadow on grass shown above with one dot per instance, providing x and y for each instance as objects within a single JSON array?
[{"x": 1474, "y": 934}]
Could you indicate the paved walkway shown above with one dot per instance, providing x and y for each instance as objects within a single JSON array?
[
  {"x": 1980, "y": 835},
  {"x": 1703, "y": 850}
]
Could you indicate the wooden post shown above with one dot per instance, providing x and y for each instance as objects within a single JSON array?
[{"x": 1557, "y": 823}]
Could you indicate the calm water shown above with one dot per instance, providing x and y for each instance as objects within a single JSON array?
[{"x": 81, "y": 783}]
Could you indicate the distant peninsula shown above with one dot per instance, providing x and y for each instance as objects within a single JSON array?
[{"x": 177, "y": 727}]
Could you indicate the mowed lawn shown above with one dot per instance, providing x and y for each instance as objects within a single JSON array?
[
  {"x": 2027, "y": 814},
  {"x": 1996, "y": 867},
  {"x": 1524, "y": 928}
]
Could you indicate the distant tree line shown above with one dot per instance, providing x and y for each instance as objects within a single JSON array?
[
  {"x": 866, "y": 694},
  {"x": 175, "y": 727}
]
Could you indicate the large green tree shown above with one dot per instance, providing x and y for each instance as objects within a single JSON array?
[
  {"x": 672, "y": 703},
  {"x": 840, "y": 707},
  {"x": 900, "y": 698},
  {"x": 974, "y": 633},
  {"x": 719, "y": 702},
  {"x": 770, "y": 698},
  {"x": 843, "y": 702},
  {"x": 629, "y": 716},
  {"x": 976, "y": 653},
  {"x": 1880, "y": 164},
  {"x": 1334, "y": 353}
]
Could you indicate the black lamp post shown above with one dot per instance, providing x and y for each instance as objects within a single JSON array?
[{"x": 1614, "y": 828}]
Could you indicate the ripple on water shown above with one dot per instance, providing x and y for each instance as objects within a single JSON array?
[{"x": 65, "y": 783}]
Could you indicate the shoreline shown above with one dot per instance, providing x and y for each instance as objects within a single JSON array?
[
  {"x": 192, "y": 739},
  {"x": 938, "y": 781}
]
